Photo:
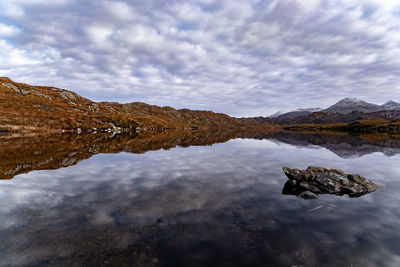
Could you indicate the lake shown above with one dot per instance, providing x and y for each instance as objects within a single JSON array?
[{"x": 194, "y": 199}]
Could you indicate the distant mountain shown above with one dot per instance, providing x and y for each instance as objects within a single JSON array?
[
  {"x": 298, "y": 112},
  {"x": 323, "y": 117},
  {"x": 347, "y": 110},
  {"x": 276, "y": 114},
  {"x": 390, "y": 105},
  {"x": 348, "y": 105},
  {"x": 344, "y": 106}
]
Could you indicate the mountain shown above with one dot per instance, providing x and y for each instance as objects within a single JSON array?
[
  {"x": 347, "y": 110},
  {"x": 344, "y": 106},
  {"x": 30, "y": 108},
  {"x": 390, "y": 105},
  {"x": 348, "y": 105},
  {"x": 276, "y": 114},
  {"x": 298, "y": 112}
]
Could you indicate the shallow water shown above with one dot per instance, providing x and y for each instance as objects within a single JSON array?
[{"x": 219, "y": 205}]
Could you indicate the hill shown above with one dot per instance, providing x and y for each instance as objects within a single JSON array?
[{"x": 38, "y": 108}]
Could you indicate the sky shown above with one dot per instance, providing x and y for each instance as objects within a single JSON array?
[{"x": 243, "y": 58}]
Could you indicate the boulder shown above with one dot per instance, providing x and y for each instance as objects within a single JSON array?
[{"x": 318, "y": 180}]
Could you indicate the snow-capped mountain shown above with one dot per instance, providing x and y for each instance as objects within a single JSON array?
[
  {"x": 391, "y": 105},
  {"x": 348, "y": 105},
  {"x": 344, "y": 106}
]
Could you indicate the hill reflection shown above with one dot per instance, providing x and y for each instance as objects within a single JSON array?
[{"x": 22, "y": 154}]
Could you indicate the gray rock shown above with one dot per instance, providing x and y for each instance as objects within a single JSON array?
[
  {"x": 94, "y": 107},
  {"x": 319, "y": 180},
  {"x": 16, "y": 88},
  {"x": 11, "y": 86},
  {"x": 67, "y": 95},
  {"x": 41, "y": 94}
]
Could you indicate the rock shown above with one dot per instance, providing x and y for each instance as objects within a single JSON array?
[
  {"x": 318, "y": 180},
  {"x": 94, "y": 107},
  {"x": 11, "y": 86},
  {"x": 16, "y": 88},
  {"x": 40, "y": 94},
  {"x": 67, "y": 95}
]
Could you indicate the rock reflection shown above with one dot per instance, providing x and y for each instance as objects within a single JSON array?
[{"x": 290, "y": 189}]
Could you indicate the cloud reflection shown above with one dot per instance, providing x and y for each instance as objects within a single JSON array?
[{"x": 220, "y": 204}]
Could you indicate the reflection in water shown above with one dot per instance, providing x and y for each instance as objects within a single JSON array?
[
  {"x": 22, "y": 154},
  {"x": 215, "y": 205},
  {"x": 290, "y": 189},
  {"x": 343, "y": 145}
]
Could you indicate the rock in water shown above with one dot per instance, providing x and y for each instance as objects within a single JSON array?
[{"x": 319, "y": 180}]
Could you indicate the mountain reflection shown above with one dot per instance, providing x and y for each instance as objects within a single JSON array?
[
  {"x": 343, "y": 145},
  {"x": 21, "y": 154}
]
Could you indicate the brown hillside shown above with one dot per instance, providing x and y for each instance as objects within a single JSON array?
[{"x": 38, "y": 108}]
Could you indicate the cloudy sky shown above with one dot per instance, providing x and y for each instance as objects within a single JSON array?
[{"x": 244, "y": 58}]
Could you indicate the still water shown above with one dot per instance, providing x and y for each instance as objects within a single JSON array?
[{"x": 214, "y": 205}]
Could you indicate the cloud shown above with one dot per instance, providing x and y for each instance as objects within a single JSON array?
[
  {"x": 7, "y": 31},
  {"x": 242, "y": 58}
]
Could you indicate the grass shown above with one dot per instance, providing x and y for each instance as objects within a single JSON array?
[{"x": 46, "y": 109}]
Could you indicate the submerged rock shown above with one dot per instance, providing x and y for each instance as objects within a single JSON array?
[{"x": 318, "y": 180}]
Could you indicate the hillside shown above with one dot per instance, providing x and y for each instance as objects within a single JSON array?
[{"x": 38, "y": 108}]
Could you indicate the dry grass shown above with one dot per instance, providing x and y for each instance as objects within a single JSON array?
[{"x": 36, "y": 108}]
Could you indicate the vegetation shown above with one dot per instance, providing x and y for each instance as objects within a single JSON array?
[{"x": 29, "y": 108}]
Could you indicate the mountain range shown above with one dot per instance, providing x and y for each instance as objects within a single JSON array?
[
  {"x": 344, "y": 106},
  {"x": 347, "y": 110}
]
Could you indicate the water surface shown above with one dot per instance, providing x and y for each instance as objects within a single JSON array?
[{"x": 216, "y": 205}]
